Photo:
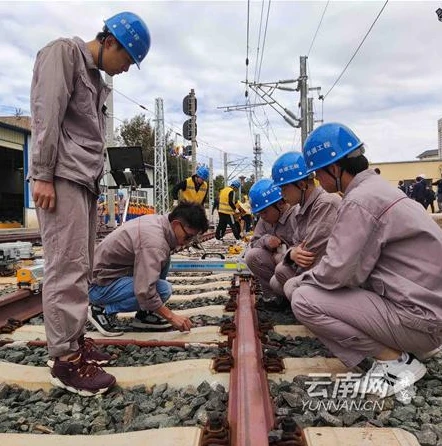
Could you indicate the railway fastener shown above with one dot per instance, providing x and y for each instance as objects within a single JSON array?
[
  {"x": 223, "y": 363},
  {"x": 216, "y": 431},
  {"x": 272, "y": 363}
]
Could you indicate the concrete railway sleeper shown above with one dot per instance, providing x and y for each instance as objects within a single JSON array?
[{"x": 260, "y": 394}]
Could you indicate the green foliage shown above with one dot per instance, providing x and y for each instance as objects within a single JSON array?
[{"x": 138, "y": 131}]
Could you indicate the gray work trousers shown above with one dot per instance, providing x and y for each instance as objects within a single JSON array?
[
  {"x": 354, "y": 323},
  {"x": 283, "y": 272},
  {"x": 68, "y": 237},
  {"x": 262, "y": 263}
]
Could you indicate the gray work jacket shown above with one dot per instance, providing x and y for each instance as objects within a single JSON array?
[
  {"x": 284, "y": 229},
  {"x": 140, "y": 248},
  {"x": 68, "y": 119},
  {"x": 387, "y": 243}
]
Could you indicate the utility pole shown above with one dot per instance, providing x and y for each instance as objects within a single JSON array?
[
  {"x": 211, "y": 186},
  {"x": 189, "y": 126},
  {"x": 310, "y": 120},
  {"x": 110, "y": 183},
  {"x": 225, "y": 169},
  {"x": 193, "y": 124},
  {"x": 302, "y": 86},
  {"x": 257, "y": 163},
  {"x": 161, "y": 190}
]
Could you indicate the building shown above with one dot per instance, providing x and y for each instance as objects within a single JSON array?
[
  {"x": 15, "y": 135},
  {"x": 17, "y": 208}
]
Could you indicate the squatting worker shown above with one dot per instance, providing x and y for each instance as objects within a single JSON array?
[
  {"x": 377, "y": 291},
  {"x": 68, "y": 97},
  {"x": 273, "y": 235}
]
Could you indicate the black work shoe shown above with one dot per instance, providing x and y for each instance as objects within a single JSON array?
[
  {"x": 275, "y": 303},
  {"x": 149, "y": 321},
  {"x": 102, "y": 322},
  {"x": 77, "y": 376}
]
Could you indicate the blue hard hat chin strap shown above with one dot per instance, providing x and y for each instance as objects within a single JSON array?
[
  {"x": 303, "y": 191},
  {"x": 338, "y": 181}
]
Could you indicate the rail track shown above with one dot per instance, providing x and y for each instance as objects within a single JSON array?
[{"x": 242, "y": 376}]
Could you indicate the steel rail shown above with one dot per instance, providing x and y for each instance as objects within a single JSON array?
[
  {"x": 250, "y": 411},
  {"x": 20, "y": 306}
]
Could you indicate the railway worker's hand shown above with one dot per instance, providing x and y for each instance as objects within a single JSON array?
[
  {"x": 43, "y": 194},
  {"x": 273, "y": 242},
  {"x": 302, "y": 257},
  {"x": 181, "y": 323}
]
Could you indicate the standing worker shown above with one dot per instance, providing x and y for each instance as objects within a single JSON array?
[
  {"x": 121, "y": 207},
  {"x": 377, "y": 291},
  {"x": 67, "y": 161},
  {"x": 226, "y": 211},
  {"x": 193, "y": 189}
]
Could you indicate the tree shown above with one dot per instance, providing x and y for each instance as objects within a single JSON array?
[{"x": 138, "y": 131}]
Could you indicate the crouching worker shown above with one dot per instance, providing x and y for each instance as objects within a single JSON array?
[
  {"x": 377, "y": 291},
  {"x": 272, "y": 235},
  {"x": 131, "y": 265},
  {"x": 314, "y": 220}
]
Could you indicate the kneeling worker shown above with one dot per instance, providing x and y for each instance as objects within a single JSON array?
[{"x": 131, "y": 265}]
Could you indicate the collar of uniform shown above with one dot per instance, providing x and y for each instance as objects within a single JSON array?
[
  {"x": 285, "y": 216},
  {"x": 315, "y": 193},
  {"x": 169, "y": 233},
  {"x": 90, "y": 64},
  {"x": 359, "y": 178}
]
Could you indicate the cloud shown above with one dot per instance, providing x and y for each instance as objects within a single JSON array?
[{"x": 390, "y": 93}]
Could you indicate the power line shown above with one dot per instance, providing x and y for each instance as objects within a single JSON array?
[
  {"x": 357, "y": 49},
  {"x": 317, "y": 29}
]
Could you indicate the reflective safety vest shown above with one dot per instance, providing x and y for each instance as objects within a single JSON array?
[
  {"x": 224, "y": 206},
  {"x": 190, "y": 194}
]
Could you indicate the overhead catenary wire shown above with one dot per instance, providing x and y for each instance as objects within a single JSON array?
[
  {"x": 317, "y": 29},
  {"x": 357, "y": 49}
]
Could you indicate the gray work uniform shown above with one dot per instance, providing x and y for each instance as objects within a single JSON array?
[
  {"x": 68, "y": 135},
  {"x": 260, "y": 259},
  {"x": 378, "y": 284},
  {"x": 314, "y": 223},
  {"x": 141, "y": 249}
]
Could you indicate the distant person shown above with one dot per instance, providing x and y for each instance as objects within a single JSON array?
[
  {"x": 121, "y": 207},
  {"x": 377, "y": 170},
  {"x": 247, "y": 217},
  {"x": 402, "y": 187},
  {"x": 377, "y": 291},
  {"x": 101, "y": 212},
  {"x": 131, "y": 266},
  {"x": 226, "y": 211},
  {"x": 193, "y": 189},
  {"x": 419, "y": 190},
  {"x": 430, "y": 196},
  {"x": 438, "y": 183},
  {"x": 68, "y": 96}
]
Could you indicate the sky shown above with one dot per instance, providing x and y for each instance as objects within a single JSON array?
[{"x": 390, "y": 95}]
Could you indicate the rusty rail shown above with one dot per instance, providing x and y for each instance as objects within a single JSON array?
[
  {"x": 251, "y": 414},
  {"x": 19, "y": 306}
]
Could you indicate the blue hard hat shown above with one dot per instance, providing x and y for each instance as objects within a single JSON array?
[
  {"x": 202, "y": 172},
  {"x": 327, "y": 144},
  {"x": 263, "y": 194},
  {"x": 236, "y": 184},
  {"x": 289, "y": 168},
  {"x": 131, "y": 31}
]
